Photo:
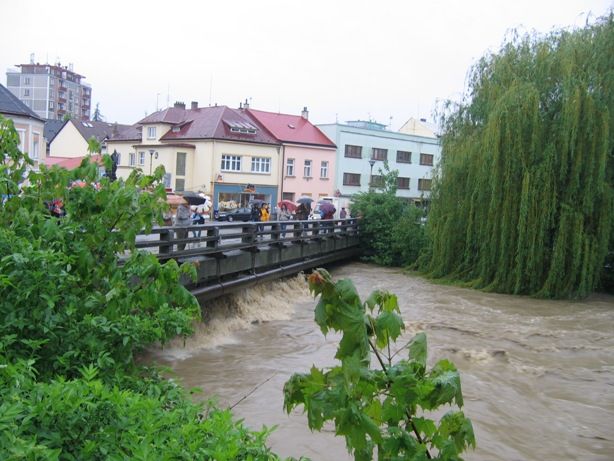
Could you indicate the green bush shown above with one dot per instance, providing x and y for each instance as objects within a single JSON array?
[{"x": 391, "y": 229}]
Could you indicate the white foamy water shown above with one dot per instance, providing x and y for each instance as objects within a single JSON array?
[{"x": 537, "y": 375}]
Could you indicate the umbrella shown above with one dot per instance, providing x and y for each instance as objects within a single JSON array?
[
  {"x": 175, "y": 200},
  {"x": 257, "y": 201},
  {"x": 325, "y": 206},
  {"x": 291, "y": 206},
  {"x": 306, "y": 200},
  {"x": 193, "y": 198}
]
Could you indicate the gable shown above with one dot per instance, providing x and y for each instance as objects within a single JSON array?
[{"x": 68, "y": 143}]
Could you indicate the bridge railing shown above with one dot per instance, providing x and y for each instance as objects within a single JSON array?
[{"x": 216, "y": 238}]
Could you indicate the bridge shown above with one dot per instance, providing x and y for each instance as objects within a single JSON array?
[{"x": 233, "y": 256}]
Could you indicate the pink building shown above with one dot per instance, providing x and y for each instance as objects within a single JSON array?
[{"x": 308, "y": 156}]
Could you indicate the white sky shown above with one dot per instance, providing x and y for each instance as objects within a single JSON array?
[{"x": 344, "y": 60}]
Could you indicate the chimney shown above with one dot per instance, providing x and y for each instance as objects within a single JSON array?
[
  {"x": 246, "y": 105},
  {"x": 423, "y": 120},
  {"x": 179, "y": 105},
  {"x": 194, "y": 105},
  {"x": 305, "y": 113},
  {"x": 240, "y": 105}
]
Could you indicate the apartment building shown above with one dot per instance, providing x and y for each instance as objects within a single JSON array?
[
  {"x": 51, "y": 90},
  {"x": 364, "y": 146}
]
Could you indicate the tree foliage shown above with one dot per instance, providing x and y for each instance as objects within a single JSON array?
[
  {"x": 97, "y": 115},
  {"x": 523, "y": 202},
  {"x": 383, "y": 408},
  {"x": 391, "y": 229},
  {"x": 93, "y": 146},
  {"x": 77, "y": 301}
]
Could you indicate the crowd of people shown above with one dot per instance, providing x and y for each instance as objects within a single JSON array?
[{"x": 260, "y": 212}]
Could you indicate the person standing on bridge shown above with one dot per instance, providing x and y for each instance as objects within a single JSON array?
[
  {"x": 182, "y": 221},
  {"x": 284, "y": 215}
]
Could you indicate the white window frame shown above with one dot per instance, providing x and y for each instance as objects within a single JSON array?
[
  {"x": 231, "y": 162},
  {"x": 141, "y": 158},
  {"x": 26, "y": 92},
  {"x": 290, "y": 167},
  {"x": 324, "y": 169},
  {"x": 132, "y": 159},
  {"x": 151, "y": 132},
  {"x": 261, "y": 165},
  {"x": 22, "y": 139},
  {"x": 35, "y": 146},
  {"x": 307, "y": 169}
]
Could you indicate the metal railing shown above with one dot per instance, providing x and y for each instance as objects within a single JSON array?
[{"x": 178, "y": 242}]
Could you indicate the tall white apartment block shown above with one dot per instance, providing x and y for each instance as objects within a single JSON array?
[{"x": 51, "y": 90}]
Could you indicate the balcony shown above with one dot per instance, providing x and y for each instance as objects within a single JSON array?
[{"x": 61, "y": 98}]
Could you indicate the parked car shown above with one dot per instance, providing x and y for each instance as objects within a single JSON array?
[{"x": 238, "y": 214}]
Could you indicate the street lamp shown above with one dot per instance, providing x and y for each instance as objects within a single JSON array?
[
  {"x": 371, "y": 163},
  {"x": 151, "y": 156}
]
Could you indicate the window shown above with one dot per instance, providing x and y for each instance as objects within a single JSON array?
[
  {"x": 50, "y": 104},
  {"x": 141, "y": 158},
  {"x": 22, "y": 140},
  {"x": 151, "y": 132},
  {"x": 119, "y": 158},
  {"x": 324, "y": 170},
  {"x": 180, "y": 164},
  {"x": 231, "y": 163},
  {"x": 426, "y": 159},
  {"x": 26, "y": 92},
  {"x": 307, "y": 169},
  {"x": 351, "y": 179},
  {"x": 179, "y": 185},
  {"x": 377, "y": 181},
  {"x": 287, "y": 196},
  {"x": 132, "y": 159},
  {"x": 26, "y": 81},
  {"x": 167, "y": 179},
  {"x": 379, "y": 154},
  {"x": 403, "y": 156},
  {"x": 353, "y": 151},
  {"x": 424, "y": 184},
  {"x": 35, "y": 149},
  {"x": 261, "y": 165},
  {"x": 290, "y": 167},
  {"x": 402, "y": 183}
]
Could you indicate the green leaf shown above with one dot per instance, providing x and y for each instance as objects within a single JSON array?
[{"x": 417, "y": 349}]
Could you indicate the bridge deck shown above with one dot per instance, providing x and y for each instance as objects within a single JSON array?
[{"x": 230, "y": 256}]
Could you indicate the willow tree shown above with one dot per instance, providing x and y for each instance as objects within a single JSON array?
[{"x": 523, "y": 200}]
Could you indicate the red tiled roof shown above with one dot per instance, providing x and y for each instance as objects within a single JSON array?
[
  {"x": 291, "y": 128},
  {"x": 211, "y": 123},
  {"x": 70, "y": 163}
]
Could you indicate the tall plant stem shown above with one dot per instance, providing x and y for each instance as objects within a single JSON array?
[{"x": 407, "y": 413}]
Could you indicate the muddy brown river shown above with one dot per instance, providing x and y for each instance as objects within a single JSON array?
[{"x": 537, "y": 376}]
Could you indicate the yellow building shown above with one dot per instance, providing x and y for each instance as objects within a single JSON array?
[{"x": 216, "y": 150}]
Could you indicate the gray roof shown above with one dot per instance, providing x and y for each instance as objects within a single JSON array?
[
  {"x": 52, "y": 127},
  {"x": 11, "y": 105},
  {"x": 98, "y": 130}
]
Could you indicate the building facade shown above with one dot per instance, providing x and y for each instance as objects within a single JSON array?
[
  {"x": 216, "y": 150},
  {"x": 52, "y": 91},
  {"x": 29, "y": 125},
  {"x": 71, "y": 140},
  {"x": 307, "y": 156},
  {"x": 362, "y": 148}
]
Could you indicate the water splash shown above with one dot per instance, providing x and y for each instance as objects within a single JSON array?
[{"x": 224, "y": 318}]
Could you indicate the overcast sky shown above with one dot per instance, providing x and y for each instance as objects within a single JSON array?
[{"x": 344, "y": 60}]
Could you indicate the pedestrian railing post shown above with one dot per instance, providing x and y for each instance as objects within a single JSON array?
[{"x": 166, "y": 235}]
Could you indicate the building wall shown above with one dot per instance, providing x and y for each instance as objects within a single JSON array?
[
  {"x": 68, "y": 143},
  {"x": 31, "y": 136},
  {"x": 298, "y": 184},
  {"x": 343, "y": 135}
]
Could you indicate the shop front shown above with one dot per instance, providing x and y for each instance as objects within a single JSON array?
[{"x": 231, "y": 196}]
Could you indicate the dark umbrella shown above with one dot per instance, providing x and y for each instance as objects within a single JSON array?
[
  {"x": 326, "y": 206},
  {"x": 291, "y": 206},
  {"x": 306, "y": 200},
  {"x": 257, "y": 201},
  {"x": 193, "y": 198}
]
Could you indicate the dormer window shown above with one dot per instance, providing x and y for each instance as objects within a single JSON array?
[
  {"x": 240, "y": 127},
  {"x": 176, "y": 129},
  {"x": 151, "y": 132}
]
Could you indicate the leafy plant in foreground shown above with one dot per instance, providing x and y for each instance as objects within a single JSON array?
[{"x": 379, "y": 408}]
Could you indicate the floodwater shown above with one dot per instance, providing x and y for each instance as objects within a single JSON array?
[{"x": 537, "y": 376}]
